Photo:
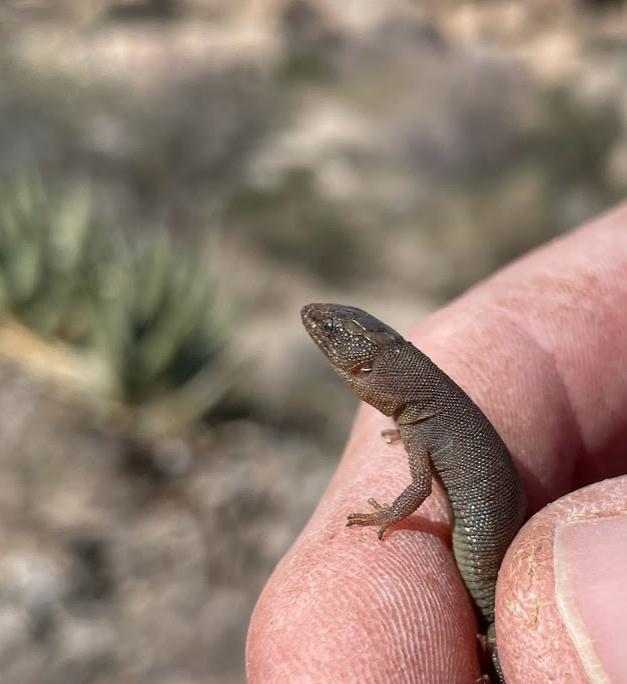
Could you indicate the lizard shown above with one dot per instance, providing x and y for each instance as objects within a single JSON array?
[{"x": 446, "y": 436}]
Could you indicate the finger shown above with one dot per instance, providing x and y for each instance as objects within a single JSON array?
[
  {"x": 562, "y": 592},
  {"x": 345, "y": 607},
  {"x": 540, "y": 348}
]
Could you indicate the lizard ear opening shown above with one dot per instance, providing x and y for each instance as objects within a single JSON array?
[{"x": 362, "y": 369}]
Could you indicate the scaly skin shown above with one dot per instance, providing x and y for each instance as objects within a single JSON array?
[{"x": 446, "y": 435}]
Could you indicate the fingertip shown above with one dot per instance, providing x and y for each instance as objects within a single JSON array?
[
  {"x": 561, "y": 596},
  {"x": 343, "y": 606},
  {"x": 338, "y": 611}
]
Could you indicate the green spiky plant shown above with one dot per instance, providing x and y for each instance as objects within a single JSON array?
[
  {"x": 156, "y": 323},
  {"x": 146, "y": 308},
  {"x": 42, "y": 244}
]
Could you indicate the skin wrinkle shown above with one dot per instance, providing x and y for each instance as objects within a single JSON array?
[
  {"x": 570, "y": 415},
  {"x": 565, "y": 377},
  {"x": 586, "y": 299},
  {"x": 406, "y": 632}
]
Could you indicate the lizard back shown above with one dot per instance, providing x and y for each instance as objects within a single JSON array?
[{"x": 473, "y": 465}]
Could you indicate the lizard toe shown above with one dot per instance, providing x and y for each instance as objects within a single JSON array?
[{"x": 378, "y": 506}]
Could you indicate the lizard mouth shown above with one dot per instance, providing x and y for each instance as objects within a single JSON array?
[{"x": 308, "y": 313}]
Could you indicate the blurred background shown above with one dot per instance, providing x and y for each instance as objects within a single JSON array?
[{"x": 177, "y": 178}]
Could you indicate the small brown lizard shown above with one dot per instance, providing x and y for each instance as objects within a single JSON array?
[{"x": 446, "y": 436}]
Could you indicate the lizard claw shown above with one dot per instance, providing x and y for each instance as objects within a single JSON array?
[
  {"x": 382, "y": 530},
  {"x": 391, "y": 436}
]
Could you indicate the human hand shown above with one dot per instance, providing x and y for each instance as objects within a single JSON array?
[{"x": 542, "y": 348}]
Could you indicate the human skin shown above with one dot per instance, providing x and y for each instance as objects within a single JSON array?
[{"x": 542, "y": 348}]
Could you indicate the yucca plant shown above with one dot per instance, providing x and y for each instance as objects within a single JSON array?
[
  {"x": 42, "y": 244},
  {"x": 145, "y": 309},
  {"x": 156, "y": 323}
]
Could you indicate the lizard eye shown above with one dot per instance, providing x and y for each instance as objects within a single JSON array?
[{"x": 362, "y": 369}]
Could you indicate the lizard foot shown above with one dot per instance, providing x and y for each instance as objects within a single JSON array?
[
  {"x": 382, "y": 517},
  {"x": 391, "y": 436}
]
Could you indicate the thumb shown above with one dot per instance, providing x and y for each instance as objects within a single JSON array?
[{"x": 562, "y": 591}]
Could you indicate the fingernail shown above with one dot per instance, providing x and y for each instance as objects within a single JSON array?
[{"x": 591, "y": 589}]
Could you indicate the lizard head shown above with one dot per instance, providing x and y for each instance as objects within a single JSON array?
[{"x": 353, "y": 341}]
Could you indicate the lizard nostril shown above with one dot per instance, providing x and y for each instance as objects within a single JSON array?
[{"x": 311, "y": 312}]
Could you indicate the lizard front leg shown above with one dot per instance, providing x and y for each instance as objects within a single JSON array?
[{"x": 408, "y": 501}]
